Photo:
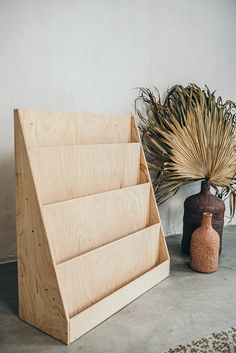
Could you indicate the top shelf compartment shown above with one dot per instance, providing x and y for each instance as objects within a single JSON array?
[
  {"x": 67, "y": 172},
  {"x": 63, "y": 129}
]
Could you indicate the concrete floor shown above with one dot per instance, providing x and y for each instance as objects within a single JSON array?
[{"x": 185, "y": 306}]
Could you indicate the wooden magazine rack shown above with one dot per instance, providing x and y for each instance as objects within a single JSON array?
[{"x": 89, "y": 238}]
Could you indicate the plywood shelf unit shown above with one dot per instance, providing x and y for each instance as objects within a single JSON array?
[{"x": 89, "y": 237}]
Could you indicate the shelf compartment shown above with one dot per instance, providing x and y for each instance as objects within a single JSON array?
[
  {"x": 98, "y": 273},
  {"x": 66, "y": 172},
  {"x": 71, "y": 128},
  {"x": 81, "y": 225},
  {"x": 97, "y": 313}
]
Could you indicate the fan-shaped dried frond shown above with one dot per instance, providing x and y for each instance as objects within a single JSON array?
[{"x": 190, "y": 137}]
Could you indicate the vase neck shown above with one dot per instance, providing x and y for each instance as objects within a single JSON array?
[
  {"x": 207, "y": 219},
  {"x": 205, "y": 187}
]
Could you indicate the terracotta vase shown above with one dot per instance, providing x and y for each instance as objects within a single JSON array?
[
  {"x": 194, "y": 206},
  {"x": 205, "y": 243}
]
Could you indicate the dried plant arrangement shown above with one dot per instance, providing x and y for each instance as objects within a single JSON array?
[{"x": 189, "y": 136}]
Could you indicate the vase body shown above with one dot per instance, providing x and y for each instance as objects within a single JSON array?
[
  {"x": 205, "y": 244},
  {"x": 194, "y": 207}
]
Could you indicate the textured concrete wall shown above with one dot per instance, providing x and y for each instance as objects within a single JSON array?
[{"x": 90, "y": 55}]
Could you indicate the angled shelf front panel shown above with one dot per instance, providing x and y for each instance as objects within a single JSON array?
[
  {"x": 106, "y": 269},
  {"x": 66, "y": 172},
  {"x": 89, "y": 237},
  {"x": 114, "y": 214},
  {"x": 62, "y": 129}
]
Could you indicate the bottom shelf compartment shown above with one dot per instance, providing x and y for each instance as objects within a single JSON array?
[
  {"x": 89, "y": 278},
  {"x": 97, "y": 313}
]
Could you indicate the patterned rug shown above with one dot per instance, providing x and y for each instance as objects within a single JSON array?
[{"x": 224, "y": 342}]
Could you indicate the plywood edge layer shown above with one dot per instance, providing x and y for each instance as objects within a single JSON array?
[
  {"x": 91, "y": 317},
  {"x": 84, "y": 146},
  {"x": 164, "y": 253},
  {"x": 54, "y": 113}
]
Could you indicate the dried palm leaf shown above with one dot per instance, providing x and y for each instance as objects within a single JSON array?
[{"x": 191, "y": 136}]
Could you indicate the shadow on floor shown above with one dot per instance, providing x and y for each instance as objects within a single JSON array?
[{"x": 8, "y": 286}]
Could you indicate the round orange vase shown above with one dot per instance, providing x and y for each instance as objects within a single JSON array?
[{"x": 205, "y": 243}]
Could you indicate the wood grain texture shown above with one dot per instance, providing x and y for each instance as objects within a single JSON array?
[
  {"x": 144, "y": 175},
  {"x": 62, "y": 128},
  {"x": 154, "y": 216},
  {"x": 83, "y": 187},
  {"x": 40, "y": 302},
  {"x": 95, "y": 314},
  {"x": 66, "y": 172},
  {"x": 80, "y": 225},
  {"x": 95, "y": 275}
]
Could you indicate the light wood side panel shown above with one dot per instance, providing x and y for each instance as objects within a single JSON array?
[
  {"x": 65, "y": 172},
  {"x": 94, "y": 315},
  {"x": 144, "y": 173},
  {"x": 164, "y": 253},
  {"x": 95, "y": 275},
  {"x": 80, "y": 225},
  {"x": 44, "y": 128},
  {"x": 40, "y": 302}
]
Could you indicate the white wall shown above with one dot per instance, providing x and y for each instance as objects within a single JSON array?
[{"x": 90, "y": 55}]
